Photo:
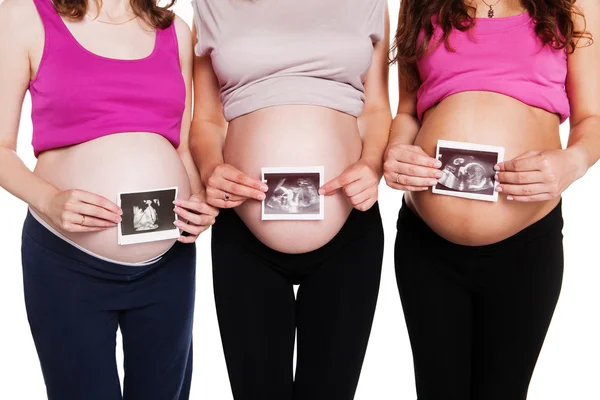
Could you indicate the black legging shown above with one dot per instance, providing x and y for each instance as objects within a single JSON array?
[
  {"x": 477, "y": 316},
  {"x": 258, "y": 314}
]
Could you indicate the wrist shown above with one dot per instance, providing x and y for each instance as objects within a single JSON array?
[
  {"x": 43, "y": 202},
  {"x": 578, "y": 158},
  {"x": 375, "y": 163}
]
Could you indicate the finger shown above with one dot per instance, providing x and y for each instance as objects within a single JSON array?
[
  {"x": 334, "y": 185},
  {"x": 198, "y": 207},
  {"x": 521, "y": 178},
  {"x": 233, "y": 175},
  {"x": 405, "y": 188},
  {"x": 357, "y": 187},
  {"x": 523, "y": 190},
  {"x": 196, "y": 219},
  {"x": 411, "y": 180},
  {"x": 70, "y": 227},
  {"x": 366, "y": 205},
  {"x": 416, "y": 156},
  {"x": 217, "y": 194},
  {"x": 187, "y": 239},
  {"x": 247, "y": 192},
  {"x": 537, "y": 197},
  {"x": 359, "y": 198},
  {"x": 220, "y": 203},
  {"x": 74, "y": 218},
  {"x": 97, "y": 212},
  {"x": 520, "y": 165},
  {"x": 191, "y": 229},
  {"x": 97, "y": 200},
  {"x": 396, "y": 167}
]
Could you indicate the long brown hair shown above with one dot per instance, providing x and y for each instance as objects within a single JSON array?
[
  {"x": 553, "y": 25},
  {"x": 158, "y": 17}
]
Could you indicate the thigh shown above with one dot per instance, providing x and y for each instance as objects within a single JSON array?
[
  {"x": 335, "y": 308},
  {"x": 255, "y": 309},
  {"x": 73, "y": 331},
  {"x": 438, "y": 312},
  {"x": 157, "y": 329},
  {"x": 513, "y": 314}
]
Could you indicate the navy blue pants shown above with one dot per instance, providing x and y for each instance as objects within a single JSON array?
[{"x": 75, "y": 302}]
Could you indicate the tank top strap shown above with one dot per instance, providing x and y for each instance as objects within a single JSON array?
[
  {"x": 166, "y": 41},
  {"x": 53, "y": 23}
]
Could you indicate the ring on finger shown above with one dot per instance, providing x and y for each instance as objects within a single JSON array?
[
  {"x": 226, "y": 196},
  {"x": 398, "y": 178},
  {"x": 83, "y": 220}
]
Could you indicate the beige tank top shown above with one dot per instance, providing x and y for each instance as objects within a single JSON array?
[{"x": 275, "y": 52}]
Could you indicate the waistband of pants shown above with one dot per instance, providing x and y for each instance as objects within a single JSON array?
[
  {"x": 82, "y": 260},
  {"x": 551, "y": 224},
  {"x": 230, "y": 227}
]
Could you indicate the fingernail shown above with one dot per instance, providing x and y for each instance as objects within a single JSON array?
[
  {"x": 321, "y": 192},
  {"x": 497, "y": 167},
  {"x": 509, "y": 197},
  {"x": 176, "y": 222},
  {"x": 437, "y": 164},
  {"x": 433, "y": 182},
  {"x": 120, "y": 212},
  {"x": 496, "y": 177},
  {"x": 176, "y": 202},
  {"x": 498, "y": 188},
  {"x": 261, "y": 197},
  {"x": 175, "y": 209},
  {"x": 264, "y": 188}
]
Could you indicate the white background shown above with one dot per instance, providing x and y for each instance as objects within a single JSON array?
[{"x": 568, "y": 368}]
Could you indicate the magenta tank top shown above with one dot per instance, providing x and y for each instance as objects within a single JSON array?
[
  {"x": 78, "y": 96},
  {"x": 502, "y": 55}
]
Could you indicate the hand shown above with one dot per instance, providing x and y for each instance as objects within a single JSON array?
[
  {"x": 228, "y": 187},
  {"x": 538, "y": 175},
  {"x": 80, "y": 211},
  {"x": 409, "y": 168},
  {"x": 359, "y": 182},
  {"x": 199, "y": 216}
]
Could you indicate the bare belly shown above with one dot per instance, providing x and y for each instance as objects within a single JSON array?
[
  {"x": 491, "y": 119},
  {"x": 294, "y": 136},
  {"x": 109, "y": 165}
]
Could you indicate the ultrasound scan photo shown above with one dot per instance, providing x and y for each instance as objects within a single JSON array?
[
  {"x": 468, "y": 170},
  {"x": 147, "y": 216},
  {"x": 292, "y": 194}
]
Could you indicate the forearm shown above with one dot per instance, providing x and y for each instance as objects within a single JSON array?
[
  {"x": 584, "y": 142},
  {"x": 206, "y": 147},
  {"x": 404, "y": 130},
  {"x": 191, "y": 169},
  {"x": 375, "y": 128},
  {"x": 18, "y": 180}
]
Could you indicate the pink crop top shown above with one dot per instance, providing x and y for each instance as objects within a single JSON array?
[
  {"x": 78, "y": 96},
  {"x": 269, "y": 53},
  {"x": 502, "y": 55}
]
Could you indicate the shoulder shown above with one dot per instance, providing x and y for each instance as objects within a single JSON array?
[
  {"x": 20, "y": 22},
  {"x": 184, "y": 37}
]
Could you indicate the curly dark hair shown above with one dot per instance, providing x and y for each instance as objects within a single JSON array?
[
  {"x": 158, "y": 17},
  {"x": 554, "y": 25}
]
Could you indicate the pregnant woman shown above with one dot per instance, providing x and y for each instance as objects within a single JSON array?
[
  {"x": 293, "y": 84},
  {"x": 479, "y": 280},
  {"x": 110, "y": 89}
]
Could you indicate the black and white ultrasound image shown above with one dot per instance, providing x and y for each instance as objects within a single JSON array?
[
  {"x": 292, "y": 193},
  {"x": 147, "y": 211},
  {"x": 467, "y": 171}
]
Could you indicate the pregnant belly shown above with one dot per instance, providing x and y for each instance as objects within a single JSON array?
[
  {"x": 294, "y": 136},
  {"x": 489, "y": 119},
  {"x": 127, "y": 162}
]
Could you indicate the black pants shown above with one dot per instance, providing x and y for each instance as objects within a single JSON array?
[
  {"x": 75, "y": 302},
  {"x": 477, "y": 316},
  {"x": 258, "y": 314}
]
